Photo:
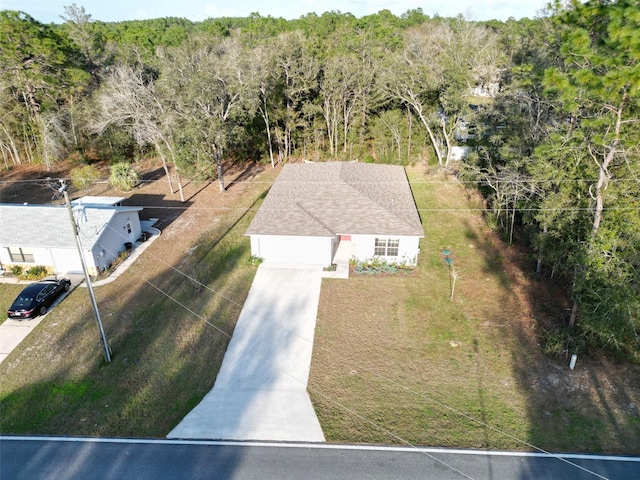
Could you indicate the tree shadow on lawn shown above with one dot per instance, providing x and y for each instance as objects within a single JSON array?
[
  {"x": 250, "y": 171},
  {"x": 164, "y": 358},
  {"x": 493, "y": 252},
  {"x": 32, "y": 184},
  {"x": 593, "y": 408},
  {"x": 214, "y": 242},
  {"x": 157, "y": 206},
  {"x": 154, "y": 174},
  {"x": 168, "y": 339}
]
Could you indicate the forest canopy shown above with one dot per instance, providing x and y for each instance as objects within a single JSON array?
[{"x": 542, "y": 115}]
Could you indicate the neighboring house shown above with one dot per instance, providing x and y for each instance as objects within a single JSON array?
[
  {"x": 316, "y": 212},
  {"x": 486, "y": 90},
  {"x": 459, "y": 153},
  {"x": 43, "y": 235}
]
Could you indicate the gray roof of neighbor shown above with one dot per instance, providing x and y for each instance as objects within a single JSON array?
[
  {"x": 338, "y": 198},
  {"x": 48, "y": 226}
]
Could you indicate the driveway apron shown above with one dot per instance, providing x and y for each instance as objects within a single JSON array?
[
  {"x": 261, "y": 390},
  {"x": 13, "y": 332}
]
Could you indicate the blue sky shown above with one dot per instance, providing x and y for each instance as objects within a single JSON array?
[{"x": 115, "y": 10}]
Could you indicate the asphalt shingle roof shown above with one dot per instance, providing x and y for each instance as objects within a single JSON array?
[
  {"x": 333, "y": 198},
  {"x": 48, "y": 226}
]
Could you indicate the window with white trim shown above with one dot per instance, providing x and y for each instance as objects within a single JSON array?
[
  {"x": 21, "y": 255},
  {"x": 386, "y": 247}
]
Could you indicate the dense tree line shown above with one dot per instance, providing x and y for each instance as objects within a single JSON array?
[
  {"x": 330, "y": 85},
  {"x": 547, "y": 107},
  {"x": 562, "y": 158}
]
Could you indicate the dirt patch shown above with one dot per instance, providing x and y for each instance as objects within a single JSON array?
[
  {"x": 392, "y": 352},
  {"x": 468, "y": 372},
  {"x": 181, "y": 224},
  {"x": 168, "y": 318}
]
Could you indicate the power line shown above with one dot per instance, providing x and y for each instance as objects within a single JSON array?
[
  {"x": 471, "y": 418},
  {"x": 361, "y": 367},
  {"x": 103, "y": 338},
  {"x": 334, "y": 354},
  {"x": 302, "y": 382},
  {"x": 188, "y": 309},
  {"x": 412, "y": 182},
  {"x": 390, "y": 433},
  {"x": 194, "y": 208},
  {"x": 426, "y": 210}
]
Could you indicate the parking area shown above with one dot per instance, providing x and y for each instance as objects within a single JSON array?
[{"x": 13, "y": 331}]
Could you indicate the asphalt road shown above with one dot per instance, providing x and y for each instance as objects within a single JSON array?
[{"x": 97, "y": 459}]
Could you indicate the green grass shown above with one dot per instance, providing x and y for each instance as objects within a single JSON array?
[
  {"x": 8, "y": 293},
  {"x": 396, "y": 361},
  {"x": 165, "y": 357}
]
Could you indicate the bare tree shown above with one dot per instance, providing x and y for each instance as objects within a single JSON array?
[
  {"x": 264, "y": 59},
  {"x": 129, "y": 98},
  {"x": 55, "y": 135},
  {"x": 298, "y": 71},
  {"x": 263, "y": 108}
]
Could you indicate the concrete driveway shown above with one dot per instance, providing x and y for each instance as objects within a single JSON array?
[
  {"x": 261, "y": 390},
  {"x": 14, "y": 331}
]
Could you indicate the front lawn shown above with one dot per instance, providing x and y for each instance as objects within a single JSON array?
[
  {"x": 168, "y": 320},
  {"x": 396, "y": 361}
]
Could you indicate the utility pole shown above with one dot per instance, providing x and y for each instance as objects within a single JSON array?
[{"x": 64, "y": 189}]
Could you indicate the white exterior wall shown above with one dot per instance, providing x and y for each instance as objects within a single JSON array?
[
  {"x": 293, "y": 249},
  {"x": 408, "y": 248},
  {"x": 67, "y": 260},
  {"x": 117, "y": 233},
  {"x": 113, "y": 238},
  {"x": 40, "y": 255},
  {"x": 61, "y": 260}
]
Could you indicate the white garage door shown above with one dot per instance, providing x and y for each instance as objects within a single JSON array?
[{"x": 292, "y": 250}]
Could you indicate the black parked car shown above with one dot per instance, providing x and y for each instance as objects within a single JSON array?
[{"x": 37, "y": 297}]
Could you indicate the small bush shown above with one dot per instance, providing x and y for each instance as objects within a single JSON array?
[
  {"x": 123, "y": 176},
  {"x": 255, "y": 260},
  {"x": 122, "y": 256},
  {"x": 84, "y": 177},
  {"x": 36, "y": 272},
  {"x": 562, "y": 341},
  {"x": 377, "y": 265},
  {"x": 16, "y": 270},
  {"x": 33, "y": 273}
]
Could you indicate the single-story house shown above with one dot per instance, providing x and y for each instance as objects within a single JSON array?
[
  {"x": 43, "y": 234},
  {"x": 315, "y": 212}
]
